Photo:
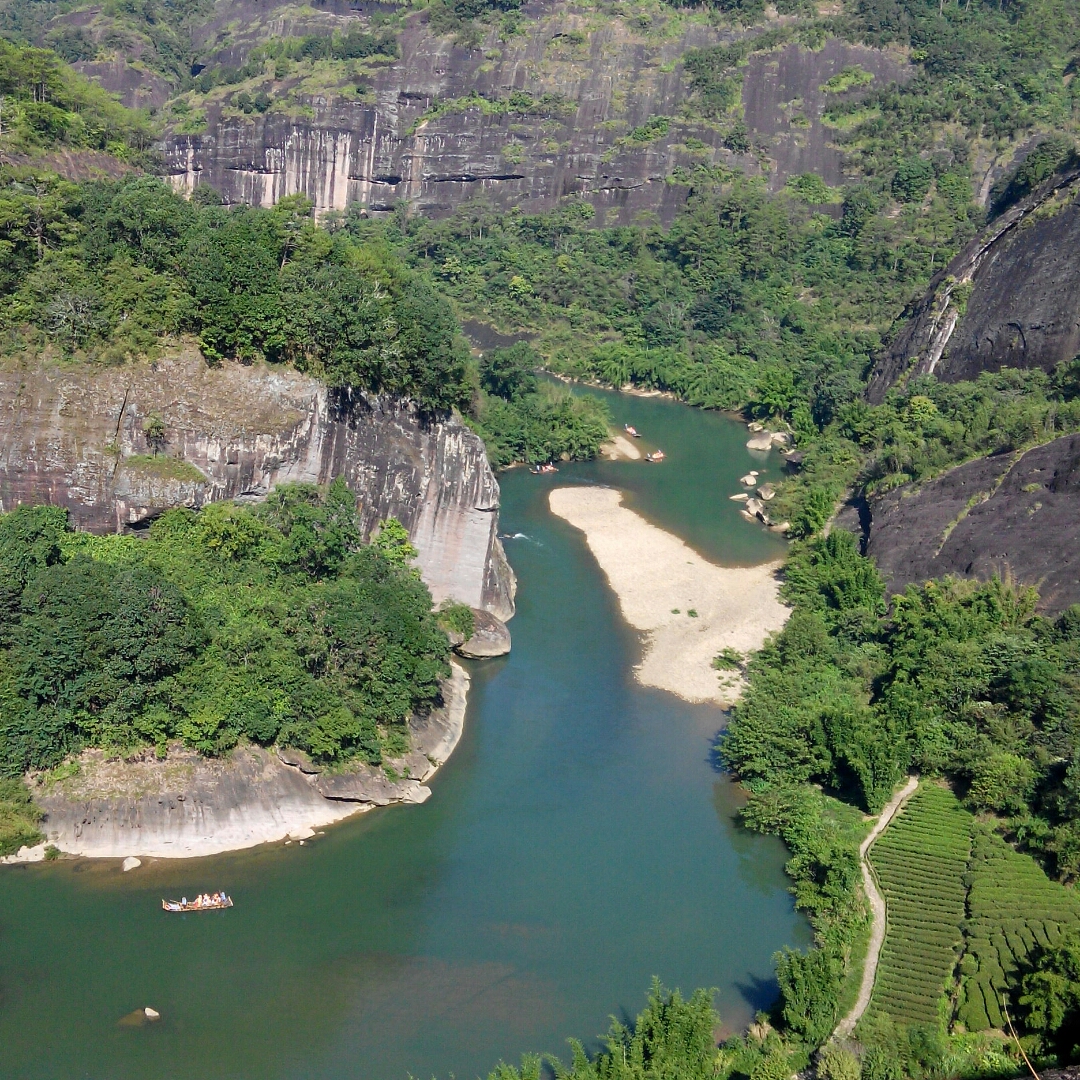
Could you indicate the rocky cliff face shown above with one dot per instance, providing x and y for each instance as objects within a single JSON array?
[
  {"x": 391, "y": 144},
  {"x": 1011, "y": 298},
  {"x": 76, "y": 437},
  {"x": 1013, "y": 514},
  {"x": 436, "y": 128},
  {"x": 186, "y": 805}
]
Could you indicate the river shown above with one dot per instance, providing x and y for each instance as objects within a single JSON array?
[{"x": 578, "y": 843}]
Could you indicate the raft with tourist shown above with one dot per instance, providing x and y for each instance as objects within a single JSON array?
[
  {"x": 204, "y": 902},
  {"x": 655, "y": 457},
  {"x": 631, "y": 431}
]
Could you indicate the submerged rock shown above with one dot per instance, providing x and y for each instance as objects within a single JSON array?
[{"x": 490, "y": 637}]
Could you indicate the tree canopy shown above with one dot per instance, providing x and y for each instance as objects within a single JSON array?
[{"x": 272, "y": 624}]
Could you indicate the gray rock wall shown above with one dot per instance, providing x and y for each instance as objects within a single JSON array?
[
  {"x": 784, "y": 104},
  {"x": 1011, "y": 298},
  {"x": 384, "y": 145},
  {"x": 75, "y": 437},
  {"x": 377, "y": 149},
  {"x": 1015, "y": 514}
]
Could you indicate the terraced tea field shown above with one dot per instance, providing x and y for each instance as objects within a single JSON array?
[
  {"x": 920, "y": 861},
  {"x": 1013, "y": 908}
]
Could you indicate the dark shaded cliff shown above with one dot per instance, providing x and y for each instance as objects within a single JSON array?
[
  {"x": 75, "y": 436},
  {"x": 1011, "y": 298},
  {"x": 1013, "y": 514}
]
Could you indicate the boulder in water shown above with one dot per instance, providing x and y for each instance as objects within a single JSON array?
[
  {"x": 131, "y": 863},
  {"x": 151, "y": 1014},
  {"x": 490, "y": 637}
]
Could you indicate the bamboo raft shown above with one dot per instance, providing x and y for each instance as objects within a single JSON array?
[{"x": 217, "y": 902}]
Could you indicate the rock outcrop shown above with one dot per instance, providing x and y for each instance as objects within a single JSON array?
[
  {"x": 77, "y": 437},
  {"x": 490, "y": 637},
  {"x": 438, "y": 126},
  {"x": 1011, "y": 298},
  {"x": 1015, "y": 514},
  {"x": 186, "y": 805}
]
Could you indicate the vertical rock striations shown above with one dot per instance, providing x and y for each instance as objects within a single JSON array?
[
  {"x": 1011, "y": 298},
  {"x": 76, "y": 437}
]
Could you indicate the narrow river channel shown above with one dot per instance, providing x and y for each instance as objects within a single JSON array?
[{"x": 578, "y": 843}]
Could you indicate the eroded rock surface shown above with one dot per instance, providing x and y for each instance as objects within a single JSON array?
[
  {"x": 490, "y": 637},
  {"x": 393, "y": 135},
  {"x": 187, "y": 805},
  {"x": 75, "y": 436},
  {"x": 1011, "y": 298},
  {"x": 1011, "y": 513},
  {"x": 784, "y": 104}
]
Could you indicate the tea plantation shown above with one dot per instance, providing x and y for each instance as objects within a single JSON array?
[
  {"x": 920, "y": 862},
  {"x": 956, "y": 891},
  {"x": 1013, "y": 908}
]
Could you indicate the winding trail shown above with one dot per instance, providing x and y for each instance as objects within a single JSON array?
[{"x": 877, "y": 909}]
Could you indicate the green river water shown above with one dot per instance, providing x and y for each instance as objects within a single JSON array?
[{"x": 579, "y": 842}]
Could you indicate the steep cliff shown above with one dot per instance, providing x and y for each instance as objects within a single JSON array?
[
  {"x": 429, "y": 128},
  {"x": 77, "y": 437},
  {"x": 560, "y": 99},
  {"x": 438, "y": 127},
  {"x": 1011, "y": 298},
  {"x": 1013, "y": 514}
]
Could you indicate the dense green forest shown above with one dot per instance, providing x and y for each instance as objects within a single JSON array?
[
  {"x": 108, "y": 270},
  {"x": 954, "y": 678},
  {"x": 271, "y": 624},
  {"x": 113, "y": 270},
  {"x": 522, "y": 419},
  {"x": 47, "y": 104}
]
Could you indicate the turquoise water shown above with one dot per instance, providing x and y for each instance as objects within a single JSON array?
[{"x": 578, "y": 843}]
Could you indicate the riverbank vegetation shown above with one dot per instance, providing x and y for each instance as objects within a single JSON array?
[
  {"x": 671, "y": 1037},
  {"x": 273, "y": 624},
  {"x": 954, "y": 679},
  {"x": 523, "y": 419}
]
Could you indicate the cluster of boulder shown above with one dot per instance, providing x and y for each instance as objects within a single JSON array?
[
  {"x": 754, "y": 505},
  {"x": 763, "y": 439}
]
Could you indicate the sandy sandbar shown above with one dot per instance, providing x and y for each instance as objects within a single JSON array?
[
  {"x": 652, "y": 573},
  {"x": 620, "y": 448}
]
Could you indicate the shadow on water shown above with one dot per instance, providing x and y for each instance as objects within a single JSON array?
[
  {"x": 578, "y": 843},
  {"x": 760, "y": 994}
]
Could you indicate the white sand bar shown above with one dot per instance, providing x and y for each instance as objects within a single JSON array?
[
  {"x": 620, "y": 448},
  {"x": 653, "y": 572}
]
